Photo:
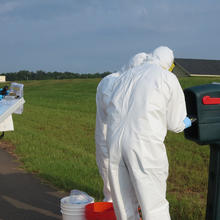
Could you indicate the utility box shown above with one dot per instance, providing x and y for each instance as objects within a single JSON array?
[{"x": 203, "y": 103}]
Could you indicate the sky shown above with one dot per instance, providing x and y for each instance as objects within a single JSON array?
[{"x": 88, "y": 36}]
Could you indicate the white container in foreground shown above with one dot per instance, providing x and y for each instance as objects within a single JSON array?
[
  {"x": 73, "y": 206},
  {"x": 68, "y": 216}
]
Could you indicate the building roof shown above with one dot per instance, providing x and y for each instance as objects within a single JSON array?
[{"x": 199, "y": 66}]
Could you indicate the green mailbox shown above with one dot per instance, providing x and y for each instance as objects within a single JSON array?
[{"x": 203, "y": 104}]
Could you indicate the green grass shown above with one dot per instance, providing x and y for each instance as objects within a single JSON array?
[{"x": 54, "y": 138}]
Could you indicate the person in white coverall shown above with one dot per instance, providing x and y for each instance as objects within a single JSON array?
[
  {"x": 104, "y": 91},
  {"x": 146, "y": 101}
]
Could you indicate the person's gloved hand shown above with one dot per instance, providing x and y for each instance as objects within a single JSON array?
[{"x": 187, "y": 122}]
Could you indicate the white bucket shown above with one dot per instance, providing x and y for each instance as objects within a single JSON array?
[
  {"x": 71, "y": 211},
  {"x": 67, "y": 211},
  {"x": 67, "y": 216}
]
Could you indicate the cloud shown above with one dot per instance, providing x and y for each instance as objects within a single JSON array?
[
  {"x": 8, "y": 7},
  {"x": 97, "y": 35}
]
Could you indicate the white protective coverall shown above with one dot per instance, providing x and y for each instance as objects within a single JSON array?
[
  {"x": 147, "y": 100},
  {"x": 104, "y": 91}
]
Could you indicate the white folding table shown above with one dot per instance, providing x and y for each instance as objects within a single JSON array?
[{"x": 7, "y": 108}]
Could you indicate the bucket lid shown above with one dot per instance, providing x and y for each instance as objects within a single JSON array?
[{"x": 77, "y": 197}]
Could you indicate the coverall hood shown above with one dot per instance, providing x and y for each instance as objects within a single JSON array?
[
  {"x": 164, "y": 56},
  {"x": 138, "y": 59}
]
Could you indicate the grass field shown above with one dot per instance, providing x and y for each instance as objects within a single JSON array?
[{"x": 54, "y": 138}]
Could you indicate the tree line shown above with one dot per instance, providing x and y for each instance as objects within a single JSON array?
[{"x": 41, "y": 75}]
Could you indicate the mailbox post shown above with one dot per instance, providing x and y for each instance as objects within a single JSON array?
[
  {"x": 213, "y": 199},
  {"x": 203, "y": 103}
]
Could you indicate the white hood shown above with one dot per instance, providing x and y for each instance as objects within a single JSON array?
[{"x": 163, "y": 56}]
